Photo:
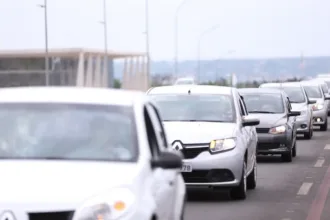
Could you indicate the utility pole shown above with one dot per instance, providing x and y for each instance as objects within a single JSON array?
[
  {"x": 44, "y": 6},
  {"x": 147, "y": 40},
  {"x": 105, "y": 43}
]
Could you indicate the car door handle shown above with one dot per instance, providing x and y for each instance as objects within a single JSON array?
[{"x": 171, "y": 183}]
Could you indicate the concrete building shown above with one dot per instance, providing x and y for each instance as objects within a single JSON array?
[{"x": 72, "y": 67}]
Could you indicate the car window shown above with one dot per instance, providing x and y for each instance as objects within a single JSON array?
[
  {"x": 156, "y": 120},
  {"x": 313, "y": 91},
  {"x": 295, "y": 94},
  {"x": 68, "y": 132},
  {"x": 264, "y": 103},
  {"x": 214, "y": 108}
]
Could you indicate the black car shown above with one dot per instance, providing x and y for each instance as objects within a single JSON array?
[{"x": 277, "y": 130}]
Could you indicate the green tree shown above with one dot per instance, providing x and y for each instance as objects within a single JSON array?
[{"x": 117, "y": 84}]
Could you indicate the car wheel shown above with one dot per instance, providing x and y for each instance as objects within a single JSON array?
[
  {"x": 239, "y": 192},
  {"x": 252, "y": 178},
  {"x": 324, "y": 127},
  {"x": 309, "y": 135},
  {"x": 294, "y": 149},
  {"x": 287, "y": 157}
]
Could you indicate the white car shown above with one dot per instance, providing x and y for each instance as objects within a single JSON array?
[
  {"x": 86, "y": 153},
  {"x": 212, "y": 128}
]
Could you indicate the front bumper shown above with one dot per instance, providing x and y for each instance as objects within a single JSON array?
[
  {"x": 273, "y": 143},
  {"x": 218, "y": 170},
  {"x": 303, "y": 124},
  {"x": 319, "y": 117}
]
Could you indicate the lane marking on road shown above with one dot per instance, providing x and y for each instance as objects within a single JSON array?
[
  {"x": 316, "y": 209},
  {"x": 327, "y": 147},
  {"x": 304, "y": 189},
  {"x": 286, "y": 218},
  {"x": 319, "y": 162}
]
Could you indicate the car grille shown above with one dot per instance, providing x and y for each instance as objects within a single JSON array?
[
  {"x": 208, "y": 176},
  {"x": 268, "y": 146},
  {"x": 190, "y": 153},
  {"x": 67, "y": 215},
  {"x": 262, "y": 130}
]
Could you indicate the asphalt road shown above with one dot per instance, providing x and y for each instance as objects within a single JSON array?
[{"x": 285, "y": 191}]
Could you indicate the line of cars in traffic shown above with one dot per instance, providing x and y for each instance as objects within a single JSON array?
[
  {"x": 93, "y": 153},
  {"x": 221, "y": 130}
]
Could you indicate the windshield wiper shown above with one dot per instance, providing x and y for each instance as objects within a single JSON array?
[{"x": 262, "y": 112}]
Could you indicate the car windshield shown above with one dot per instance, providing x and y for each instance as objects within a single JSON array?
[
  {"x": 264, "y": 103},
  {"x": 213, "y": 108},
  {"x": 295, "y": 94},
  {"x": 67, "y": 132},
  {"x": 313, "y": 92},
  {"x": 324, "y": 88},
  {"x": 328, "y": 83}
]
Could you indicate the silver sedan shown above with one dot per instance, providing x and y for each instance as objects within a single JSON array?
[{"x": 217, "y": 137}]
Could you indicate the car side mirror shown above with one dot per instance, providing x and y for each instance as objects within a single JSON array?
[
  {"x": 326, "y": 97},
  {"x": 167, "y": 160},
  {"x": 247, "y": 121},
  {"x": 310, "y": 102},
  {"x": 294, "y": 113}
]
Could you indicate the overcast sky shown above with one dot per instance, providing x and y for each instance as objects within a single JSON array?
[{"x": 251, "y": 28}]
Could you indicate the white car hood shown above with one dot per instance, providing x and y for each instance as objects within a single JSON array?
[
  {"x": 55, "y": 185},
  {"x": 198, "y": 132}
]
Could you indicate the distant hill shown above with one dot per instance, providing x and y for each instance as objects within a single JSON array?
[{"x": 245, "y": 69}]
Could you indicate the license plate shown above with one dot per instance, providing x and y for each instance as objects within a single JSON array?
[{"x": 186, "y": 168}]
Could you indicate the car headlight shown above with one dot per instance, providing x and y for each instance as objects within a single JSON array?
[
  {"x": 222, "y": 145},
  {"x": 111, "y": 206},
  {"x": 316, "y": 107},
  {"x": 277, "y": 130}
]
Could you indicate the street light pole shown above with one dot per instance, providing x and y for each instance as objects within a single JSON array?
[
  {"x": 105, "y": 44},
  {"x": 200, "y": 45},
  {"x": 44, "y": 6},
  {"x": 176, "y": 37},
  {"x": 147, "y": 39}
]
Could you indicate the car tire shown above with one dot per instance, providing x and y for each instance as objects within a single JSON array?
[
  {"x": 239, "y": 192},
  {"x": 252, "y": 178},
  {"x": 294, "y": 149},
  {"x": 324, "y": 127},
  {"x": 287, "y": 157},
  {"x": 309, "y": 135}
]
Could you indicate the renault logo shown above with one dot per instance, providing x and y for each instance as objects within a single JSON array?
[
  {"x": 7, "y": 215},
  {"x": 176, "y": 146}
]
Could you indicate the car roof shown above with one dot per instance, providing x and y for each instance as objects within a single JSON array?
[
  {"x": 269, "y": 85},
  {"x": 326, "y": 79},
  {"x": 319, "y": 80},
  {"x": 75, "y": 95},
  {"x": 194, "y": 89},
  {"x": 310, "y": 83},
  {"x": 291, "y": 84},
  {"x": 284, "y": 84},
  {"x": 260, "y": 90}
]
